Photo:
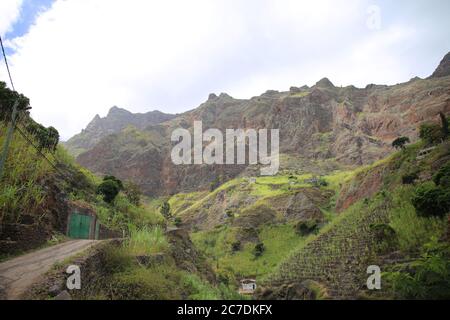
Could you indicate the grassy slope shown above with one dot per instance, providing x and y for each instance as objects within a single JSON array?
[
  {"x": 341, "y": 252},
  {"x": 279, "y": 237}
]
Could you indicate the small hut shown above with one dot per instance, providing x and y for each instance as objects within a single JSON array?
[{"x": 248, "y": 286}]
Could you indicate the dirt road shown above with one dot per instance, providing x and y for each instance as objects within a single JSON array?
[{"x": 17, "y": 274}]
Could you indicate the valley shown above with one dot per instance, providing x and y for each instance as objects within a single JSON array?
[{"x": 348, "y": 195}]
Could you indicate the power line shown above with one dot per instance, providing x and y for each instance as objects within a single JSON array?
[{"x": 6, "y": 63}]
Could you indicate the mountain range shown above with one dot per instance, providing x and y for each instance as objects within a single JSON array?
[{"x": 323, "y": 128}]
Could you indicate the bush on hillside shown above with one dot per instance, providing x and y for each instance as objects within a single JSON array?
[
  {"x": 430, "y": 200},
  {"x": 165, "y": 210},
  {"x": 112, "y": 178},
  {"x": 133, "y": 193},
  {"x": 46, "y": 138},
  {"x": 400, "y": 142},
  {"x": 259, "y": 249},
  {"x": 442, "y": 177},
  {"x": 109, "y": 189},
  {"x": 431, "y": 133},
  {"x": 425, "y": 278},
  {"x": 305, "y": 228},
  {"x": 409, "y": 178}
]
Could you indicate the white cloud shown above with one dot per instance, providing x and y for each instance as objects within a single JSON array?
[
  {"x": 83, "y": 56},
  {"x": 9, "y": 13}
]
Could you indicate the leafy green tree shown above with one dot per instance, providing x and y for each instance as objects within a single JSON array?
[
  {"x": 400, "y": 143},
  {"x": 112, "y": 178},
  {"x": 109, "y": 189},
  {"x": 165, "y": 210},
  {"x": 8, "y": 98}
]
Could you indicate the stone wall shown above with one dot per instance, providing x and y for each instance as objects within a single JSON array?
[{"x": 17, "y": 237}]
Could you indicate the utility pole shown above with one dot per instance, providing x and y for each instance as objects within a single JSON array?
[{"x": 9, "y": 135}]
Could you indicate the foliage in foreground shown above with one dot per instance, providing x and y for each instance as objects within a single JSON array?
[{"x": 425, "y": 278}]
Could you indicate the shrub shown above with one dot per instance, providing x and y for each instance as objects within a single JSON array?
[
  {"x": 109, "y": 189},
  {"x": 409, "y": 178},
  {"x": 442, "y": 177},
  {"x": 133, "y": 193},
  {"x": 400, "y": 143},
  {"x": 259, "y": 249},
  {"x": 112, "y": 178},
  {"x": 304, "y": 228},
  {"x": 425, "y": 278},
  {"x": 430, "y": 200},
  {"x": 431, "y": 133},
  {"x": 165, "y": 210},
  {"x": 236, "y": 246}
]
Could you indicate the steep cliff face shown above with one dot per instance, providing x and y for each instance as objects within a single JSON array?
[
  {"x": 343, "y": 126},
  {"x": 443, "y": 70},
  {"x": 116, "y": 120}
]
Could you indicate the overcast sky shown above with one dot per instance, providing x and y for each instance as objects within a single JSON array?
[{"x": 78, "y": 58}]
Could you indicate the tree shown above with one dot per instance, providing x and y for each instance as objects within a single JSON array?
[
  {"x": 133, "y": 193},
  {"x": 109, "y": 189},
  {"x": 165, "y": 210},
  {"x": 400, "y": 143},
  {"x": 8, "y": 98},
  {"x": 112, "y": 178},
  {"x": 46, "y": 138}
]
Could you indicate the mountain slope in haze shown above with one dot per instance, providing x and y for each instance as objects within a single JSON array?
[
  {"x": 322, "y": 128},
  {"x": 116, "y": 120}
]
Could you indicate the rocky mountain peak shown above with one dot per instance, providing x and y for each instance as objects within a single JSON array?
[
  {"x": 116, "y": 111},
  {"x": 443, "y": 70},
  {"x": 325, "y": 83},
  {"x": 212, "y": 96}
]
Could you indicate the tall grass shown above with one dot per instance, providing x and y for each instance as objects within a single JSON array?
[
  {"x": 20, "y": 188},
  {"x": 146, "y": 240}
]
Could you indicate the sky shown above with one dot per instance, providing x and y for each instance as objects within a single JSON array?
[{"x": 78, "y": 58}]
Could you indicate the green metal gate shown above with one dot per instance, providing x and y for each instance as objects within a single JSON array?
[{"x": 79, "y": 226}]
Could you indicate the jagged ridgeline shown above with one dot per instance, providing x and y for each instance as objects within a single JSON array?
[{"x": 322, "y": 128}]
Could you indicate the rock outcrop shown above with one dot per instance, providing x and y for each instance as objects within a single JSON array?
[
  {"x": 443, "y": 70},
  {"x": 116, "y": 120}
]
